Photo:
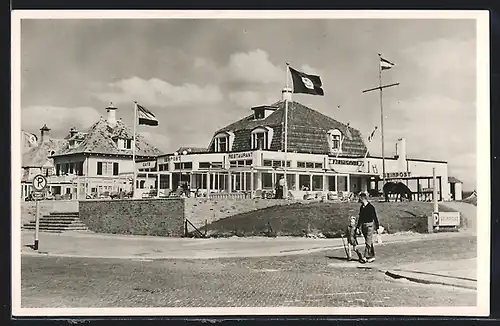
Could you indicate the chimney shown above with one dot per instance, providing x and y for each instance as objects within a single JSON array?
[
  {"x": 286, "y": 94},
  {"x": 44, "y": 133},
  {"x": 111, "y": 114},
  {"x": 72, "y": 132},
  {"x": 401, "y": 154}
]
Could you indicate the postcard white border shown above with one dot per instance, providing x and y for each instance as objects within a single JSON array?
[{"x": 483, "y": 159}]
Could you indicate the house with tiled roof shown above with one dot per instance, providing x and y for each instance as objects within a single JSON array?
[
  {"x": 322, "y": 156},
  {"x": 91, "y": 162},
  {"x": 37, "y": 158}
]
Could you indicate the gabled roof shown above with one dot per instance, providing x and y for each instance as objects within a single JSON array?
[
  {"x": 39, "y": 156},
  {"x": 307, "y": 131},
  {"x": 98, "y": 139},
  {"x": 192, "y": 150},
  {"x": 454, "y": 180}
]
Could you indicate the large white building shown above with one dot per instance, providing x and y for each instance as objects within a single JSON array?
[
  {"x": 324, "y": 155},
  {"x": 93, "y": 162}
]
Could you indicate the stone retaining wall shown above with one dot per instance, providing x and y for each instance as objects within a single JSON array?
[{"x": 158, "y": 217}]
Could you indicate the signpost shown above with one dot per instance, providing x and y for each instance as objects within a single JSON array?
[{"x": 39, "y": 185}]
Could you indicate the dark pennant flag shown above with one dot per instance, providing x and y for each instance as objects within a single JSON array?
[{"x": 306, "y": 84}]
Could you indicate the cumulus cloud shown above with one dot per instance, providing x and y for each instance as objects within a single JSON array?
[
  {"x": 254, "y": 67},
  {"x": 157, "y": 92},
  {"x": 447, "y": 123},
  {"x": 59, "y": 119},
  {"x": 160, "y": 141}
]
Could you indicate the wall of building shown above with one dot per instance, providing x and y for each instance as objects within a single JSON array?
[
  {"x": 416, "y": 169},
  {"x": 157, "y": 217},
  {"x": 124, "y": 164}
]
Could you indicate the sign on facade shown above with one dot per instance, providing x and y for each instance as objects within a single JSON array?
[
  {"x": 146, "y": 165},
  {"x": 345, "y": 162},
  {"x": 237, "y": 156},
  {"x": 39, "y": 182},
  {"x": 449, "y": 219},
  {"x": 398, "y": 175}
]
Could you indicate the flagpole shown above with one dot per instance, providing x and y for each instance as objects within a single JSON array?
[
  {"x": 285, "y": 188},
  {"x": 381, "y": 119},
  {"x": 133, "y": 151}
]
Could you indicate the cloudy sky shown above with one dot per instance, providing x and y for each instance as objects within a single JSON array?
[{"x": 199, "y": 75}]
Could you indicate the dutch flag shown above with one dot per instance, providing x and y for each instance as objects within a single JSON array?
[
  {"x": 146, "y": 117},
  {"x": 385, "y": 64}
]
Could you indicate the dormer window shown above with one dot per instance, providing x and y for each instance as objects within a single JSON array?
[
  {"x": 223, "y": 142},
  {"x": 259, "y": 114},
  {"x": 262, "y": 112},
  {"x": 74, "y": 143},
  {"x": 335, "y": 140},
  {"x": 122, "y": 143},
  {"x": 261, "y": 138}
]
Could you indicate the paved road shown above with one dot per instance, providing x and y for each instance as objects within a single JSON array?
[{"x": 316, "y": 279}]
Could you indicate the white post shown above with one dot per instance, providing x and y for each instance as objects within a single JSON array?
[
  {"x": 434, "y": 190},
  {"x": 285, "y": 188},
  {"x": 157, "y": 181},
  {"x": 133, "y": 152},
  {"x": 381, "y": 121}
]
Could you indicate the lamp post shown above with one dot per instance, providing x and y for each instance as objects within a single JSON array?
[{"x": 180, "y": 163}]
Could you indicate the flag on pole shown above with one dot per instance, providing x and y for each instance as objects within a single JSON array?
[
  {"x": 385, "y": 64},
  {"x": 146, "y": 117},
  {"x": 305, "y": 83},
  {"x": 370, "y": 138}
]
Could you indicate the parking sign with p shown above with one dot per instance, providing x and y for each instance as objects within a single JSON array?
[{"x": 39, "y": 182}]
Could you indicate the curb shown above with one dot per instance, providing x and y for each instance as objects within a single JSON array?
[
  {"x": 284, "y": 252},
  {"x": 400, "y": 275}
]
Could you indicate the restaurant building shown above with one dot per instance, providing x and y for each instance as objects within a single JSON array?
[{"x": 323, "y": 156}]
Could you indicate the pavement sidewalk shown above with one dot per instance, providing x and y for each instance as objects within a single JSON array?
[
  {"x": 460, "y": 273},
  {"x": 91, "y": 245}
]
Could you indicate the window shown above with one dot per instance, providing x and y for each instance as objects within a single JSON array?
[
  {"x": 335, "y": 140},
  {"x": 128, "y": 143},
  {"x": 183, "y": 166},
  {"x": 267, "y": 180},
  {"x": 310, "y": 165},
  {"x": 268, "y": 163},
  {"x": 105, "y": 168},
  {"x": 318, "y": 165},
  {"x": 259, "y": 141},
  {"x": 115, "y": 168},
  {"x": 163, "y": 167},
  {"x": 221, "y": 143},
  {"x": 99, "y": 168},
  {"x": 261, "y": 138},
  {"x": 204, "y": 165},
  {"x": 317, "y": 182},
  {"x": 259, "y": 114},
  {"x": 58, "y": 169}
]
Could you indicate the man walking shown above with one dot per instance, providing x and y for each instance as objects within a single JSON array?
[{"x": 367, "y": 222}]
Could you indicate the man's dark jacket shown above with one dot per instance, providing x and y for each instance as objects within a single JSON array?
[{"x": 367, "y": 214}]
